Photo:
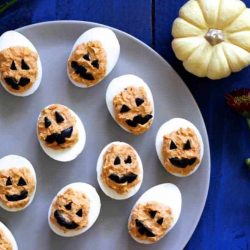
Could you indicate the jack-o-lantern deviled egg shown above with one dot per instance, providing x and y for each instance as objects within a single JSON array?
[
  {"x": 20, "y": 65},
  {"x": 7, "y": 240},
  {"x": 60, "y": 132},
  {"x": 17, "y": 183},
  {"x": 155, "y": 213},
  {"x": 94, "y": 55},
  {"x": 130, "y": 103},
  {"x": 179, "y": 147},
  {"x": 74, "y": 209},
  {"x": 119, "y": 170}
]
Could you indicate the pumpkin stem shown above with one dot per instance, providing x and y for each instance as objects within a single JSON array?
[{"x": 214, "y": 36}]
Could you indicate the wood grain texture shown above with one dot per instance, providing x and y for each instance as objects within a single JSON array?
[{"x": 225, "y": 221}]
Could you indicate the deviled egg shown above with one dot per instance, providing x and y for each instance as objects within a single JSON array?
[
  {"x": 20, "y": 64},
  {"x": 60, "y": 132},
  {"x": 74, "y": 209},
  {"x": 119, "y": 170},
  {"x": 94, "y": 55},
  {"x": 17, "y": 183},
  {"x": 130, "y": 103},
  {"x": 155, "y": 213},
  {"x": 7, "y": 240},
  {"x": 179, "y": 147}
]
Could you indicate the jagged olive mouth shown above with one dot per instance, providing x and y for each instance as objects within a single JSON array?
[
  {"x": 143, "y": 230},
  {"x": 128, "y": 178},
  {"x": 64, "y": 222},
  {"x": 182, "y": 162},
  {"x": 139, "y": 120},
  {"x": 17, "y": 197},
  {"x": 60, "y": 137},
  {"x": 15, "y": 84},
  {"x": 81, "y": 71}
]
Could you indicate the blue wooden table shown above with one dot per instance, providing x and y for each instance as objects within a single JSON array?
[{"x": 225, "y": 223}]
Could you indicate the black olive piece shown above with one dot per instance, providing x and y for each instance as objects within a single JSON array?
[
  {"x": 152, "y": 213},
  {"x": 8, "y": 181},
  {"x": 13, "y": 66},
  {"x": 86, "y": 57},
  {"x": 24, "y": 65},
  {"x": 131, "y": 123},
  {"x": 142, "y": 120},
  {"x": 47, "y": 122},
  {"x": 51, "y": 138},
  {"x": 139, "y": 101},
  {"x": 21, "y": 182},
  {"x": 60, "y": 139},
  {"x": 172, "y": 145},
  {"x": 182, "y": 162},
  {"x": 126, "y": 178},
  {"x": 130, "y": 177},
  {"x": 143, "y": 230},
  {"x": 59, "y": 117},
  {"x": 160, "y": 221},
  {"x": 82, "y": 71},
  {"x": 117, "y": 160},
  {"x": 95, "y": 64},
  {"x": 128, "y": 160},
  {"x": 67, "y": 132},
  {"x": 79, "y": 213},
  {"x": 17, "y": 197},
  {"x": 24, "y": 81},
  {"x": 62, "y": 222},
  {"x": 68, "y": 206},
  {"x": 187, "y": 145},
  {"x": 12, "y": 82},
  {"x": 124, "y": 109}
]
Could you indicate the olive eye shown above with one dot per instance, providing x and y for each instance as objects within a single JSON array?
[
  {"x": 86, "y": 57},
  {"x": 21, "y": 182},
  {"x": 95, "y": 64},
  {"x": 13, "y": 66},
  {"x": 124, "y": 109},
  {"x": 172, "y": 145},
  {"x": 24, "y": 65},
  {"x": 79, "y": 213},
  {"x": 59, "y": 117},
  {"x": 117, "y": 161},
  {"x": 47, "y": 122},
  {"x": 68, "y": 206},
  {"x": 8, "y": 181},
  {"x": 152, "y": 213},
  {"x": 160, "y": 221},
  {"x": 187, "y": 145},
  {"x": 139, "y": 102},
  {"x": 128, "y": 160}
]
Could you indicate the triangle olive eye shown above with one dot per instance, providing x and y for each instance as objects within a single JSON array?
[
  {"x": 117, "y": 161},
  {"x": 24, "y": 65},
  {"x": 172, "y": 145},
  {"x": 59, "y": 117},
  {"x": 13, "y": 66},
  {"x": 47, "y": 122},
  {"x": 187, "y": 145},
  {"x": 160, "y": 221},
  {"x": 152, "y": 214},
  {"x": 124, "y": 109},
  {"x": 68, "y": 206},
  {"x": 86, "y": 57},
  {"x": 21, "y": 182},
  {"x": 8, "y": 182},
  {"x": 128, "y": 160},
  {"x": 139, "y": 102},
  {"x": 79, "y": 213}
]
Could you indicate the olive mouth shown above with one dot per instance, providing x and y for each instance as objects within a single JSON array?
[
  {"x": 82, "y": 71},
  {"x": 182, "y": 162},
  {"x": 17, "y": 197},
  {"x": 13, "y": 83},
  {"x": 143, "y": 230},
  {"x": 63, "y": 222},
  {"x": 128, "y": 178},
  {"x": 60, "y": 137},
  {"x": 139, "y": 120}
]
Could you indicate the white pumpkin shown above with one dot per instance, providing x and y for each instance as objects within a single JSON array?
[{"x": 212, "y": 37}]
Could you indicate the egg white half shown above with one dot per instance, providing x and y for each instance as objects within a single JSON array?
[
  {"x": 118, "y": 84},
  {"x": 9, "y": 235},
  {"x": 109, "y": 42},
  {"x": 105, "y": 188},
  {"x": 166, "y": 193},
  {"x": 16, "y": 161},
  {"x": 173, "y": 125},
  {"x": 15, "y": 39},
  {"x": 94, "y": 209},
  {"x": 67, "y": 154}
]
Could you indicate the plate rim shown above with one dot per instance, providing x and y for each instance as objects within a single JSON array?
[{"x": 156, "y": 54}]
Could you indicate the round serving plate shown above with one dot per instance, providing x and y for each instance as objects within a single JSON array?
[{"x": 18, "y": 116}]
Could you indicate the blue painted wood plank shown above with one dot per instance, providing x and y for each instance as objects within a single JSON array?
[
  {"x": 131, "y": 16},
  {"x": 225, "y": 221}
]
